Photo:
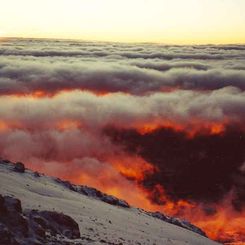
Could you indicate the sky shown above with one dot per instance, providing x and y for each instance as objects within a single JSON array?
[{"x": 163, "y": 21}]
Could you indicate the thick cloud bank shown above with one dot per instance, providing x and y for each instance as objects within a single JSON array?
[
  {"x": 30, "y": 65},
  {"x": 204, "y": 168}
]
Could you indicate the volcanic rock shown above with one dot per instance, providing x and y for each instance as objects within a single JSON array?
[
  {"x": 19, "y": 167},
  {"x": 33, "y": 225}
]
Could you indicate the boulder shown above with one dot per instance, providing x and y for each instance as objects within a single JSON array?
[
  {"x": 13, "y": 204},
  {"x": 2, "y": 206},
  {"x": 33, "y": 226},
  {"x": 114, "y": 201},
  {"x": 19, "y": 167},
  {"x": 36, "y": 174},
  {"x": 176, "y": 221},
  {"x": 55, "y": 223},
  {"x": 6, "y": 238},
  {"x": 12, "y": 217}
]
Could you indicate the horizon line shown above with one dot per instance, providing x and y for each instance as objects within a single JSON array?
[{"x": 122, "y": 42}]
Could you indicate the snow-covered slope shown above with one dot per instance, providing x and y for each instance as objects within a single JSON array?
[{"x": 99, "y": 222}]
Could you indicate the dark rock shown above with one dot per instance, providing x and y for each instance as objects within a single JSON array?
[
  {"x": 33, "y": 226},
  {"x": 6, "y": 161},
  {"x": 19, "y": 167},
  {"x": 92, "y": 192},
  {"x": 6, "y": 238},
  {"x": 40, "y": 221},
  {"x": 12, "y": 217},
  {"x": 160, "y": 216},
  {"x": 36, "y": 174},
  {"x": 55, "y": 223},
  {"x": 89, "y": 191},
  {"x": 2, "y": 206},
  {"x": 66, "y": 184},
  {"x": 17, "y": 223},
  {"x": 114, "y": 201},
  {"x": 39, "y": 231},
  {"x": 176, "y": 221},
  {"x": 123, "y": 203},
  {"x": 13, "y": 204}
]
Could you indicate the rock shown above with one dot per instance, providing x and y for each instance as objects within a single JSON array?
[
  {"x": 36, "y": 174},
  {"x": 33, "y": 226},
  {"x": 92, "y": 192},
  {"x": 176, "y": 221},
  {"x": 114, "y": 201},
  {"x": 89, "y": 191},
  {"x": 161, "y": 216},
  {"x": 123, "y": 203},
  {"x": 56, "y": 223},
  {"x": 2, "y": 207},
  {"x": 66, "y": 184},
  {"x": 12, "y": 217},
  {"x": 6, "y": 238},
  {"x": 19, "y": 167},
  {"x": 6, "y": 161},
  {"x": 13, "y": 204},
  {"x": 40, "y": 221}
]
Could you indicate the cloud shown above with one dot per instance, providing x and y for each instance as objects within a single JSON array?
[
  {"x": 51, "y": 77},
  {"x": 69, "y": 48},
  {"x": 203, "y": 169},
  {"x": 28, "y": 66},
  {"x": 165, "y": 66},
  {"x": 87, "y": 110}
]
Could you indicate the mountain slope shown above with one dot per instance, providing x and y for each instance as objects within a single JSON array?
[{"x": 99, "y": 222}]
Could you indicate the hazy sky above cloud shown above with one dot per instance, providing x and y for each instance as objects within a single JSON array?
[{"x": 166, "y": 21}]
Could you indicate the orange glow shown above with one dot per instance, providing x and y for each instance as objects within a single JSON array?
[
  {"x": 226, "y": 225},
  {"x": 191, "y": 129},
  {"x": 39, "y": 94},
  {"x": 6, "y": 125},
  {"x": 145, "y": 128},
  {"x": 217, "y": 128},
  {"x": 131, "y": 166},
  {"x": 3, "y": 126},
  {"x": 67, "y": 124}
]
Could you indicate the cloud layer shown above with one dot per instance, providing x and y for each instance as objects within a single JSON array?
[{"x": 49, "y": 66}]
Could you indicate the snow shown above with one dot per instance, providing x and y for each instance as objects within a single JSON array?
[{"x": 99, "y": 222}]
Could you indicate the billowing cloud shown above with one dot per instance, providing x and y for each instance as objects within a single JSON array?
[
  {"x": 186, "y": 108},
  {"x": 28, "y": 77},
  {"x": 50, "y": 67},
  {"x": 204, "y": 168}
]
